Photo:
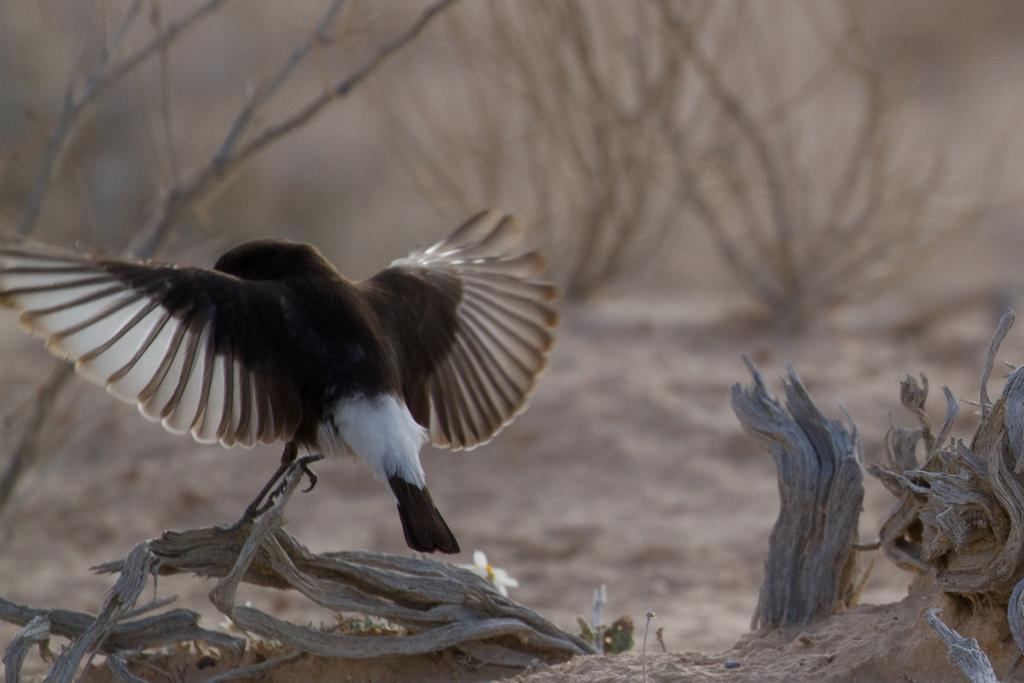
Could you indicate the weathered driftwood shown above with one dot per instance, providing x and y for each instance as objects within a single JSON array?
[
  {"x": 124, "y": 632},
  {"x": 961, "y": 511},
  {"x": 964, "y": 652},
  {"x": 167, "y": 627},
  {"x": 431, "y": 605},
  {"x": 37, "y": 630},
  {"x": 809, "y": 570},
  {"x": 1015, "y": 614},
  {"x": 901, "y": 533}
]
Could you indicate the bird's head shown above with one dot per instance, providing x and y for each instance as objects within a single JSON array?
[{"x": 275, "y": 259}]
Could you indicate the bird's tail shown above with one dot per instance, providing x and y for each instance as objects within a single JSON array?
[{"x": 425, "y": 530}]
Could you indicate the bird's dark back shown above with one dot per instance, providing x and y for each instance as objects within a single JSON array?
[{"x": 334, "y": 344}]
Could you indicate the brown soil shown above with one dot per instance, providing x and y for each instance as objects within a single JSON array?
[{"x": 868, "y": 644}]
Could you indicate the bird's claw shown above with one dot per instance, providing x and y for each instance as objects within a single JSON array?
[
  {"x": 266, "y": 501},
  {"x": 303, "y": 464}
]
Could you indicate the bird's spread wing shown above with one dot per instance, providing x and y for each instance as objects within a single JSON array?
[
  {"x": 473, "y": 328},
  {"x": 179, "y": 342}
]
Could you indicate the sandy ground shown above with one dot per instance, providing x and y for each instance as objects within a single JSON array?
[
  {"x": 869, "y": 644},
  {"x": 628, "y": 470}
]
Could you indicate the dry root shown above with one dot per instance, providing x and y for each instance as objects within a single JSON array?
[{"x": 429, "y": 606}]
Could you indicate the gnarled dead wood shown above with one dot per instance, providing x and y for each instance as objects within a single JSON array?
[
  {"x": 961, "y": 511},
  {"x": 429, "y": 606},
  {"x": 173, "y": 626},
  {"x": 809, "y": 570},
  {"x": 36, "y": 631},
  {"x": 964, "y": 652},
  {"x": 1015, "y": 615}
]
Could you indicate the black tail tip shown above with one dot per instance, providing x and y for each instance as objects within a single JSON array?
[{"x": 424, "y": 528}]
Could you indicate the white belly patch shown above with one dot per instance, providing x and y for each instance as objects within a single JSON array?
[{"x": 382, "y": 432}]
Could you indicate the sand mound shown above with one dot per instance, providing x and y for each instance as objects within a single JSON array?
[{"x": 868, "y": 644}]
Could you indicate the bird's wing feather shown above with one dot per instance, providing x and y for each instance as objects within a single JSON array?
[
  {"x": 178, "y": 342},
  {"x": 473, "y": 325}
]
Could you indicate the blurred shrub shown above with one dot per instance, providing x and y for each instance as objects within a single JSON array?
[{"x": 778, "y": 130}]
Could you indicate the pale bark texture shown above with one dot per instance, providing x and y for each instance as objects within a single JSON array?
[{"x": 809, "y": 570}]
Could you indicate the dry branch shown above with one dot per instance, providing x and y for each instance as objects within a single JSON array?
[
  {"x": 612, "y": 124},
  {"x": 562, "y": 107},
  {"x": 754, "y": 185},
  {"x": 431, "y": 606},
  {"x": 37, "y": 630},
  {"x": 809, "y": 570},
  {"x": 100, "y": 79},
  {"x": 961, "y": 511},
  {"x": 27, "y": 449},
  {"x": 232, "y": 153},
  {"x": 964, "y": 652},
  {"x": 77, "y": 98},
  {"x": 1015, "y": 615},
  {"x": 128, "y": 634}
]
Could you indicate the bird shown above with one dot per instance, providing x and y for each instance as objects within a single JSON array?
[{"x": 273, "y": 345}]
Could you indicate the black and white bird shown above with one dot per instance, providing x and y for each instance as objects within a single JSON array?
[{"x": 275, "y": 345}]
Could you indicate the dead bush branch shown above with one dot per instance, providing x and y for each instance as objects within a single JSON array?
[
  {"x": 561, "y": 109},
  {"x": 612, "y": 125},
  {"x": 100, "y": 79},
  {"x": 233, "y": 153},
  {"x": 77, "y": 98},
  {"x": 878, "y": 217},
  {"x": 430, "y": 606},
  {"x": 961, "y": 511},
  {"x": 129, "y": 633},
  {"x": 964, "y": 652},
  {"x": 37, "y": 630}
]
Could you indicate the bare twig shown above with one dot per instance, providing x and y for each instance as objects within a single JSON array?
[
  {"x": 608, "y": 153},
  {"x": 103, "y": 76},
  {"x": 166, "y": 105},
  {"x": 643, "y": 650},
  {"x": 99, "y": 80},
  {"x": 596, "y": 618},
  {"x": 737, "y": 111},
  {"x": 1005, "y": 323},
  {"x": 562, "y": 109},
  {"x": 232, "y": 153},
  {"x": 36, "y": 631},
  {"x": 964, "y": 652},
  {"x": 267, "y": 90},
  {"x": 27, "y": 449}
]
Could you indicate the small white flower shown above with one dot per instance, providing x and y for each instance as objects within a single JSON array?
[{"x": 497, "y": 576}]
